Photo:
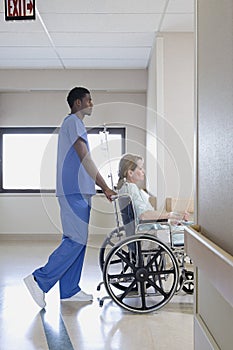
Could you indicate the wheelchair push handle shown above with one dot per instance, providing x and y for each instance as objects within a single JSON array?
[
  {"x": 119, "y": 195},
  {"x": 114, "y": 197}
]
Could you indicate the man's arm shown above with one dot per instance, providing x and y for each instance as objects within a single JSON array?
[{"x": 82, "y": 151}]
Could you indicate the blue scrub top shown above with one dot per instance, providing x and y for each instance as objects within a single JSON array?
[{"x": 72, "y": 178}]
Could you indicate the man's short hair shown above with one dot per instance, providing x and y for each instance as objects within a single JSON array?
[{"x": 77, "y": 93}]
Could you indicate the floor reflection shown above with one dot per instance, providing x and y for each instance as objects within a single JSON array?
[{"x": 82, "y": 326}]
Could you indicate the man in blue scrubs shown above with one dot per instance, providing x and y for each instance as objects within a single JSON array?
[{"x": 76, "y": 179}]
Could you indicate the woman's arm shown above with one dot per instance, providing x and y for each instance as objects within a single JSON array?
[{"x": 153, "y": 215}]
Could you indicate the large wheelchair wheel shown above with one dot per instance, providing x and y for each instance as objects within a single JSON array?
[
  {"x": 112, "y": 239},
  {"x": 145, "y": 269}
]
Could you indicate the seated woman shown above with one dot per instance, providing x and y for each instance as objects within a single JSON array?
[{"x": 131, "y": 176}]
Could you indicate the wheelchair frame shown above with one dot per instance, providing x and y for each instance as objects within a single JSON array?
[{"x": 146, "y": 271}]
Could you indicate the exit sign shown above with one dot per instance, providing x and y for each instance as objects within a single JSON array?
[{"x": 19, "y": 10}]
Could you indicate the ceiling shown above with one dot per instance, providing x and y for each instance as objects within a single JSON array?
[{"x": 97, "y": 34}]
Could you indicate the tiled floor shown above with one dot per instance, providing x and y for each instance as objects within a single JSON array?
[{"x": 65, "y": 326}]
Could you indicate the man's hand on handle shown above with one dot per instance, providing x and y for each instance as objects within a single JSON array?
[{"x": 109, "y": 193}]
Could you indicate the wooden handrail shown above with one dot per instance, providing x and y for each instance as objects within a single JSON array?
[{"x": 213, "y": 260}]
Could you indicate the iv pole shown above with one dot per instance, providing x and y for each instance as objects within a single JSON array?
[{"x": 111, "y": 176}]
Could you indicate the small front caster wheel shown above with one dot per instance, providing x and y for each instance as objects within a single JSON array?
[{"x": 187, "y": 282}]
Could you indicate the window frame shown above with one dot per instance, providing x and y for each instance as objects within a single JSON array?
[{"x": 48, "y": 130}]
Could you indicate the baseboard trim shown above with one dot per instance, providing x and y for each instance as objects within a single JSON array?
[
  {"x": 30, "y": 237},
  {"x": 45, "y": 237}
]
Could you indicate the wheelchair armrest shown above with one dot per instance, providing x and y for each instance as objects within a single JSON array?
[{"x": 153, "y": 221}]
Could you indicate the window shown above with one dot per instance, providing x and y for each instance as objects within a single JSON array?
[
  {"x": 28, "y": 157},
  {"x": 106, "y": 150}
]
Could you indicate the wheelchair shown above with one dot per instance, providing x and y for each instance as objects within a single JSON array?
[{"x": 141, "y": 273}]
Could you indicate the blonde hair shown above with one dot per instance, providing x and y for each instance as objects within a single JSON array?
[{"x": 127, "y": 162}]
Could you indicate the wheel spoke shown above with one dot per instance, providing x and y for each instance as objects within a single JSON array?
[
  {"x": 154, "y": 258},
  {"x": 163, "y": 272},
  {"x": 114, "y": 262},
  {"x": 139, "y": 252},
  {"x": 143, "y": 297},
  {"x": 121, "y": 275},
  {"x": 157, "y": 288},
  {"x": 127, "y": 291},
  {"x": 124, "y": 258}
]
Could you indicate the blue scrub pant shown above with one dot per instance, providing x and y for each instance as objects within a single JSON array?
[{"x": 66, "y": 262}]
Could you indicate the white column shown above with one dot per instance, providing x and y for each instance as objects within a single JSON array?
[{"x": 155, "y": 108}]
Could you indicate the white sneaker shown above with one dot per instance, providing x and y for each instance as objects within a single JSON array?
[
  {"x": 35, "y": 291},
  {"x": 80, "y": 296}
]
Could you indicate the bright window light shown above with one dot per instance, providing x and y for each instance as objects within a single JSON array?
[
  {"x": 23, "y": 156},
  {"x": 28, "y": 157},
  {"x": 106, "y": 151}
]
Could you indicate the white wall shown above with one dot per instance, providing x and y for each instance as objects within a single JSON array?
[
  {"x": 179, "y": 112},
  {"x": 155, "y": 78},
  {"x": 64, "y": 80},
  {"x": 38, "y": 98},
  {"x": 171, "y": 85}
]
